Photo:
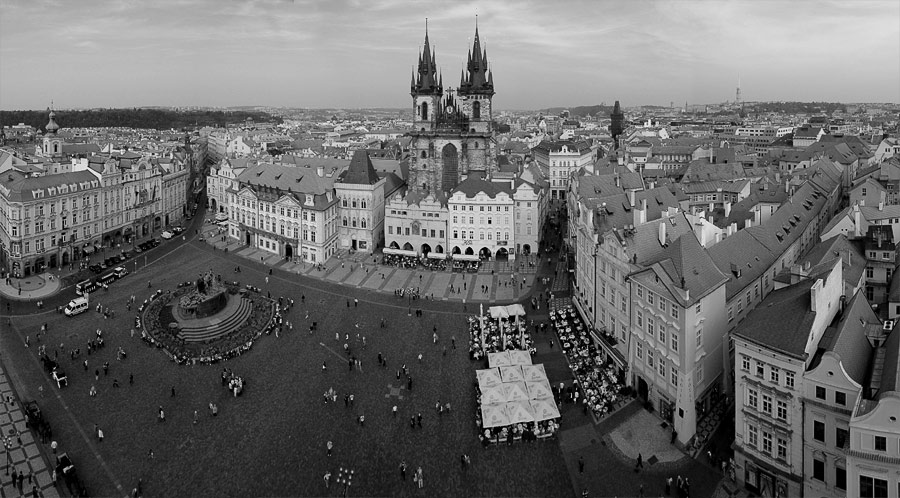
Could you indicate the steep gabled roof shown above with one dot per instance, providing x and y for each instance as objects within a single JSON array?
[{"x": 361, "y": 170}]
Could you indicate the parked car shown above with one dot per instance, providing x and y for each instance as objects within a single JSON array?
[
  {"x": 221, "y": 217},
  {"x": 33, "y": 414},
  {"x": 167, "y": 235},
  {"x": 126, "y": 254},
  {"x": 177, "y": 230},
  {"x": 96, "y": 268}
]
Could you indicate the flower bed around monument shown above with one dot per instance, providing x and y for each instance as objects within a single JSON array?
[{"x": 158, "y": 332}]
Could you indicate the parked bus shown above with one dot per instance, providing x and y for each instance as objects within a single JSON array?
[{"x": 85, "y": 286}]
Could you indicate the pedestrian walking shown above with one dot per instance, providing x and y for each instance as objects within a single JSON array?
[
  {"x": 162, "y": 415},
  {"x": 328, "y": 447},
  {"x": 327, "y": 478},
  {"x": 581, "y": 465},
  {"x": 402, "y": 471},
  {"x": 668, "y": 485},
  {"x": 640, "y": 462}
]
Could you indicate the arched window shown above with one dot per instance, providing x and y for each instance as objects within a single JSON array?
[
  {"x": 362, "y": 223},
  {"x": 344, "y": 202},
  {"x": 344, "y": 221},
  {"x": 423, "y": 152},
  {"x": 362, "y": 204},
  {"x": 424, "y": 111},
  {"x": 353, "y": 222},
  {"x": 353, "y": 203},
  {"x": 431, "y": 149},
  {"x": 476, "y": 110}
]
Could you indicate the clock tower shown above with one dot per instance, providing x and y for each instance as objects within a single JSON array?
[{"x": 453, "y": 134}]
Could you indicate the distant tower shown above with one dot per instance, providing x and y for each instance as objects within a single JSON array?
[
  {"x": 737, "y": 93},
  {"x": 52, "y": 146},
  {"x": 617, "y": 124}
]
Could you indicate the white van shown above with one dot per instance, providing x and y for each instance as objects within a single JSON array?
[{"x": 76, "y": 306}]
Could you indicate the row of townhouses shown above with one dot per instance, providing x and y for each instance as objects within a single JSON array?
[{"x": 59, "y": 212}]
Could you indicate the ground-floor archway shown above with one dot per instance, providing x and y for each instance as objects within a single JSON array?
[
  {"x": 470, "y": 251},
  {"x": 53, "y": 261},
  {"x": 407, "y": 247},
  {"x": 484, "y": 253},
  {"x": 455, "y": 250},
  {"x": 394, "y": 245},
  {"x": 65, "y": 258},
  {"x": 214, "y": 205},
  {"x": 426, "y": 249},
  {"x": 157, "y": 222},
  {"x": 248, "y": 238},
  {"x": 526, "y": 249},
  {"x": 502, "y": 254},
  {"x": 439, "y": 249},
  {"x": 288, "y": 252}
]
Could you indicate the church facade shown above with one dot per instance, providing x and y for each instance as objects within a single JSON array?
[{"x": 453, "y": 135}]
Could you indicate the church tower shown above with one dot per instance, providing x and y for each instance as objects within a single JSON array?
[
  {"x": 52, "y": 146},
  {"x": 453, "y": 135}
]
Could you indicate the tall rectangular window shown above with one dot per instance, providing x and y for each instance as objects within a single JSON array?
[
  {"x": 840, "y": 477},
  {"x": 781, "y": 407},
  {"x": 767, "y": 404},
  {"x": 820, "y": 392},
  {"x": 767, "y": 442},
  {"x": 782, "y": 449},
  {"x": 752, "y": 398},
  {"x": 818, "y": 470},
  {"x": 789, "y": 379},
  {"x": 752, "y": 437},
  {"x": 880, "y": 443},
  {"x": 819, "y": 431}
]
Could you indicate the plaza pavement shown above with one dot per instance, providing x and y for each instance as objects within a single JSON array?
[{"x": 607, "y": 445}]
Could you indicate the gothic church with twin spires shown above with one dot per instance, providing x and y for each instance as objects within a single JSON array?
[{"x": 453, "y": 135}]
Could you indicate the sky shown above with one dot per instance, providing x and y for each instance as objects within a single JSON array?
[{"x": 351, "y": 54}]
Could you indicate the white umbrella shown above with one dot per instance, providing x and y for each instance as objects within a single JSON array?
[
  {"x": 511, "y": 373},
  {"x": 544, "y": 409},
  {"x": 534, "y": 373},
  {"x": 539, "y": 389},
  {"x": 494, "y": 415},
  {"x": 515, "y": 391},
  {"x": 519, "y": 357},
  {"x": 488, "y": 377},
  {"x": 500, "y": 359},
  {"x": 519, "y": 412},
  {"x": 493, "y": 395}
]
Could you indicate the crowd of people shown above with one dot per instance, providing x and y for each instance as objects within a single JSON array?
[
  {"x": 400, "y": 261},
  {"x": 466, "y": 266},
  {"x": 526, "y": 431},
  {"x": 263, "y": 318},
  {"x": 516, "y": 337},
  {"x": 601, "y": 387},
  {"x": 233, "y": 382},
  {"x": 434, "y": 264}
]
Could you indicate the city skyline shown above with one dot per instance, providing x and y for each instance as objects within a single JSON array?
[{"x": 126, "y": 53}]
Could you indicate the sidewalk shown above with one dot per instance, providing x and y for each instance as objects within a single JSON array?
[
  {"x": 24, "y": 453},
  {"x": 31, "y": 287},
  {"x": 362, "y": 271}
]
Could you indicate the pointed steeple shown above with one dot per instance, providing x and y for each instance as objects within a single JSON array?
[
  {"x": 477, "y": 80},
  {"x": 426, "y": 83}
]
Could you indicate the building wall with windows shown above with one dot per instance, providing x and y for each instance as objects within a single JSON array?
[
  {"x": 773, "y": 348},
  {"x": 47, "y": 221},
  {"x": 132, "y": 199},
  {"x": 291, "y": 211},
  {"x": 417, "y": 222},
  {"x": 559, "y": 159},
  {"x": 174, "y": 190},
  {"x": 873, "y": 459},
  {"x": 362, "y": 215},
  {"x": 482, "y": 219}
]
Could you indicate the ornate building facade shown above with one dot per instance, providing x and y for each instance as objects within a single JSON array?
[{"x": 453, "y": 134}]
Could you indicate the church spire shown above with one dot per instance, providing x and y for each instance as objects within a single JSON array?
[
  {"x": 477, "y": 80},
  {"x": 427, "y": 81}
]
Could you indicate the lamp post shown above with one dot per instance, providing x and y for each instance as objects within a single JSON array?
[
  {"x": 408, "y": 304},
  {"x": 7, "y": 444}
]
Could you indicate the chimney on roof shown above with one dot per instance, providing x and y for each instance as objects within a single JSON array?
[
  {"x": 748, "y": 223},
  {"x": 814, "y": 293},
  {"x": 640, "y": 215},
  {"x": 881, "y": 205},
  {"x": 662, "y": 232},
  {"x": 631, "y": 198},
  {"x": 617, "y": 180},
  {"x": 727, "y": 209},
  {"x": 320, "y": 171},
  {"x": 757, "y": 216}
]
